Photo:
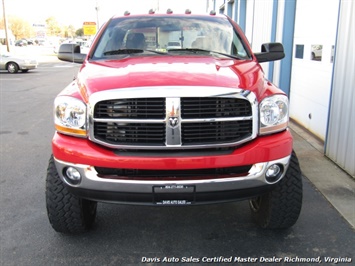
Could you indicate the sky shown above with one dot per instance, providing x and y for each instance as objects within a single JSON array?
[{"x": 75, "y": 12}]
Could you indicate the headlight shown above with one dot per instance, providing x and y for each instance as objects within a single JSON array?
[
  {"x": 273, "y": 114},
  {"x": 70, "y": 116}
]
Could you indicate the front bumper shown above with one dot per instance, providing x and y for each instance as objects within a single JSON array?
[
  {"x": 84, "y": 156},
  {"x": 29, "y": 66}
]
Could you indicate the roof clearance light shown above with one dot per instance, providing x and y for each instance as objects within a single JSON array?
[
  {"x": 151, "y": 11},
  {"x": 212, "y": 12},
  {"x": 169, "y": 11},
  {"x": 127, "y": 13},
  {"x": 188, "y": 11}
]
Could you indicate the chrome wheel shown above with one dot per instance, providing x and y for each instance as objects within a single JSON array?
[{"x": 12, "y": 68}]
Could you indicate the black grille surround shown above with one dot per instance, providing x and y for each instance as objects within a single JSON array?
[{"x": 173, "y": 122}]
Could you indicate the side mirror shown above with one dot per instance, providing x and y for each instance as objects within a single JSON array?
[
  {"x": 70, "y": 52},
  {"x": 270, "y": 52}
]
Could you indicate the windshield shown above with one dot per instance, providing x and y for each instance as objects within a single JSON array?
[{"x": 169, "y": 35}]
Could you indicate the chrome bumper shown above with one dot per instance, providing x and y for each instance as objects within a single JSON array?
[{"x": 90, "y": 181}]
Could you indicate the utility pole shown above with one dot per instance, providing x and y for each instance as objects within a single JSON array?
[
  {"x": 5, "y": 24},
  {"x": 97, "y": 8}
]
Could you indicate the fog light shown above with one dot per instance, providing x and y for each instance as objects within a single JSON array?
[
  {"x": 273, "y": 173},
  {"x": 73, "y": 175}
]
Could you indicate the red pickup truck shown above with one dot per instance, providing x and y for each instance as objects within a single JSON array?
[{"x": 144, "y": 123}]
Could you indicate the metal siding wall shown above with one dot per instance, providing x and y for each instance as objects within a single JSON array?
[
  {"x": 236, "y": 10},
  {"x": 262, "y": 27},
  {"x": 230, "y": 9},
  {"x": 273, "y": 36},
  {"x": 249, "y": 20},
  {"x": 242, "y": 13},
  {"x": 279, "y": 31},
  {"x": 287, "y": 40},
  {"x": 340, "y": 143}
]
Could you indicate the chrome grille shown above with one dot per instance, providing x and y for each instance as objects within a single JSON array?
[{"x": 199, "y": 118}]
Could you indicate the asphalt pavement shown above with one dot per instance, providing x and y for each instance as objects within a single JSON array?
[{"x": 336, "y": 185}]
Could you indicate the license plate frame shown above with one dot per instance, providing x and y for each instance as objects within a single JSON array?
[{"x": 172, "y": 195}]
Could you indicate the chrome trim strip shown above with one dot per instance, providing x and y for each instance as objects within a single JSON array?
[
  {"x": 173, "y": 123},
  {"x": 90, "y": 179},
  {"x": 197, "y": 120},
  {"x": 189, "y": 120},
  {"x": 126, "y": 120},
  {"x": 172, "y": 94}
]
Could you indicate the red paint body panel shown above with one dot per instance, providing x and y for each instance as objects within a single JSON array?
[
  {"x": 170, "y": 71},
  {"x": 83, "y": 151}
]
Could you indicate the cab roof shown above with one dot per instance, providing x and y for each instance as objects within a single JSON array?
[{"x": 152, "y": 12}]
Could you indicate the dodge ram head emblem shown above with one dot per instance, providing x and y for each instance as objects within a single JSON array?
[
  {"x": 173, "y": 114},
  {"x": 173, "y": 122}
]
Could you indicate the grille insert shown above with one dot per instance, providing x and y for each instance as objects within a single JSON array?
[
  {"x": 215, "y": 132},
  {"x": 138, "y": 174},
  {"x": 140, "y": 108},
  {"x": 130, "y": 133},
  {"x": 207, "y": 107}
]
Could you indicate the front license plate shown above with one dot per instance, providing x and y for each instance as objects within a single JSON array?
[
  {"x": 173, "y": 202},
  {"x": 174, "y": 195}
]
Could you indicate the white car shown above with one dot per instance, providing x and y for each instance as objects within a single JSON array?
[
  {"x": 13, "y": 63},
  {"x": 173, "y": 45}
]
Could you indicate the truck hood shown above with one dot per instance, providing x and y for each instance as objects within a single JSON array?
[{"x": 169, "y": 71}]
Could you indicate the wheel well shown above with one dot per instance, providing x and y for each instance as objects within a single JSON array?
[{"x": 12, "y": 63}]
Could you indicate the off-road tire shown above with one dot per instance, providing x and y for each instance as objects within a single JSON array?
[
  {"x": 281, "y": 207},
  {"x": 67, "y": 213}
]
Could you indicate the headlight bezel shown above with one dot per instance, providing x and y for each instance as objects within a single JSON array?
[
  {"x": 273, "y": 114},
  {"x": 70, "y": 116}
]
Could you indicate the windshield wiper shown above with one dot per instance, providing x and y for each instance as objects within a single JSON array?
[
  {"x": 192, "y": 50},
  {"x": 156, "y": 52},
  {"x": 131, "y": 51},
  {"x": 124, "y": 51},
  {"x": 197, "y": 50}
]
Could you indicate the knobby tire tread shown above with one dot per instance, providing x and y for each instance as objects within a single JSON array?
[
  {"x": 280, "y": 208},
  {"x": 67, "y": 213}
]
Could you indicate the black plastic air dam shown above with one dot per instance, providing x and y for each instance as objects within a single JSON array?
[{"x": 199, "y": 198}]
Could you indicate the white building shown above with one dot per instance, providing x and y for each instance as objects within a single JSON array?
[{"x": 318, "y": 70}]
